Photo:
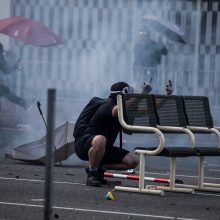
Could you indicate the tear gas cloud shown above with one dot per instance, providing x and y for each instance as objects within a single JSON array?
[{"x": 97, "y": 51}]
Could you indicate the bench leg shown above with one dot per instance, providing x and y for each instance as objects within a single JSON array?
[
  {"x": 205, "y": 186},
  {"x": 141, "y": 171},
  {"x": 141, "y": 188},
  {"x": 172, "y": 187},
  {"x": 201, "y": 185},
  {"x": 172, "y": 172},
  {"x": 201, "y": 172}
]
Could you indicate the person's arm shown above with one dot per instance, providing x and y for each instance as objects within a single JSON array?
[
  {"x": 169, "y": 91},
  {"x": 146, "y": 89},
  {"x": 6, "y": 69},
  {"x": 115, "y": 111}
]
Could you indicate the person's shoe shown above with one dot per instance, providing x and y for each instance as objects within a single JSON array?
[
  {"x": 102, "y": 180},
  {"x": 93, "y": 179},
  {"x": 101, "y": 175},
  {"x": 29, "y": 104}
]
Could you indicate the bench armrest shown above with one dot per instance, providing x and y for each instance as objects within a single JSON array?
[
  {"x": 206, "y": 130},
  {"x": 141, "y": 129},
  {"x": 179, "y": 130}
]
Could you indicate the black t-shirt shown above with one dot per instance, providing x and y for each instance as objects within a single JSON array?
[{"x": 103, "y": 123}]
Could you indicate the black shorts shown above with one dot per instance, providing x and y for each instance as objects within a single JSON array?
[{"x": 112, "y": 155}]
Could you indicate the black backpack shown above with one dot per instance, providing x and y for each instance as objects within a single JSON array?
[{"x": 86, "y": 114}]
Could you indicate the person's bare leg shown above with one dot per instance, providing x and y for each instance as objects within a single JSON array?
[
  {"x": 130, "y": 161},
  {"x": 96, "y": 151},
  {"x": 6, "y": 92},
  {"x": 95, "y": 154}
]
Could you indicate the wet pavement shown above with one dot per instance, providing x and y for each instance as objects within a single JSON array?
[{"x": 22, "y": 193}]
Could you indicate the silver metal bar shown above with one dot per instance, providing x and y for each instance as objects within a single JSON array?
[
  {"x": 48, "y": 196},
  {"x": 180, "y": 129},
  {"x": 206, "y": 130},
  {"x": 145, "y": 129},
  {"x": 141, "y": 173}
]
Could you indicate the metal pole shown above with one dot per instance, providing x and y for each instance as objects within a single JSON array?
[
  {"x": 48, "y": 197},
  {"x": 197, "y": 44},
  {"x": 120, "y": 138}
]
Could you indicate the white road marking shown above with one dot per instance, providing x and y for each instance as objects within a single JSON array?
[
  {"x": 40, "y": 181},
  {"x": 72, "y": 183},
  {"x": 97, "y": 211},
  {"x": 214, "y": 165},
  {"x": 214, "y": 170},
  {"x": 179, "y": 175},
  {"x": 37, "y": 200},
  {"x": 207, "y": 194},
  {"x": 81, "y": 184}
]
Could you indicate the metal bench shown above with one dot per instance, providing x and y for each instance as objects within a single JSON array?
[
  {"x": 171, "y": 119},
  {"x": 200, "y": 121},
  {"x": 169, "y": 114},
  {"x": 138, "y": 113},
  {"x": 143, "y": 122}
]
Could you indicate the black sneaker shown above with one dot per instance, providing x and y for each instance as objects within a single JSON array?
[
  {"x": 101, "y": 175},
  {"x": 93, "y": 178}
]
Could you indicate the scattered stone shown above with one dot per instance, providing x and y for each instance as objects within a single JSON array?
[{"x": 56, "y": 215}]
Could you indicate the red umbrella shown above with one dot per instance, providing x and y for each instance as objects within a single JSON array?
[{"x": 29, "y": 31}]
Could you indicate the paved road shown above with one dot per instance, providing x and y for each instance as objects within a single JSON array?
[{"x": 22, "y": 193}]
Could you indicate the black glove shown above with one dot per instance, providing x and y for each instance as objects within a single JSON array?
[{"x": 169, "y": 88}]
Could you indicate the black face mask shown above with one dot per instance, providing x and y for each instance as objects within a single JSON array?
[{"x": 113, "y": 96}]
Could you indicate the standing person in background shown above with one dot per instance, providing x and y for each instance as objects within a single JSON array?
[
  {"x": 147, "y": 57},
  {"x": 6, "y": 69}
]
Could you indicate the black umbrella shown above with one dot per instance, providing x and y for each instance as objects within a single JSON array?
[{"x": 163, "y": 27}]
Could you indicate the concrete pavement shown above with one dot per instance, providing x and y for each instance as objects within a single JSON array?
[{"x": 22, "y": 194}]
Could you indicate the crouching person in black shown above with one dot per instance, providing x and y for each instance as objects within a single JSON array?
[{"x": 95, "y": 137}]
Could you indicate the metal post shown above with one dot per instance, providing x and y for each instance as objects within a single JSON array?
[
  {"x": 120, "y": 139},
  {"x": 196, "y": 49},
  {"x": 48, "y": 196}
]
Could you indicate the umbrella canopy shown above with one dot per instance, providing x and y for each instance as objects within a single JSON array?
[
  {"x": 29, "y": 31},
  {"x": 170, "y": 30},
  {"x": 36, "y": 151}
]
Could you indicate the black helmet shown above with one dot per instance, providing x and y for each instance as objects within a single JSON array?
[{"x": 120, "y": 87}]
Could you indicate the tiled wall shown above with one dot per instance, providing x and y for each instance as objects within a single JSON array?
[{"x": 99, "y": 36}]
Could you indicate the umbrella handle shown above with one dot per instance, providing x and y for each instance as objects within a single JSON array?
[
  {"x": 39, "y": 108},
  {"x": 20, "y": 54}
]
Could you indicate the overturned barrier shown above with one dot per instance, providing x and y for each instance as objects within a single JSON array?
[{"x": 134, "y": 177}]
